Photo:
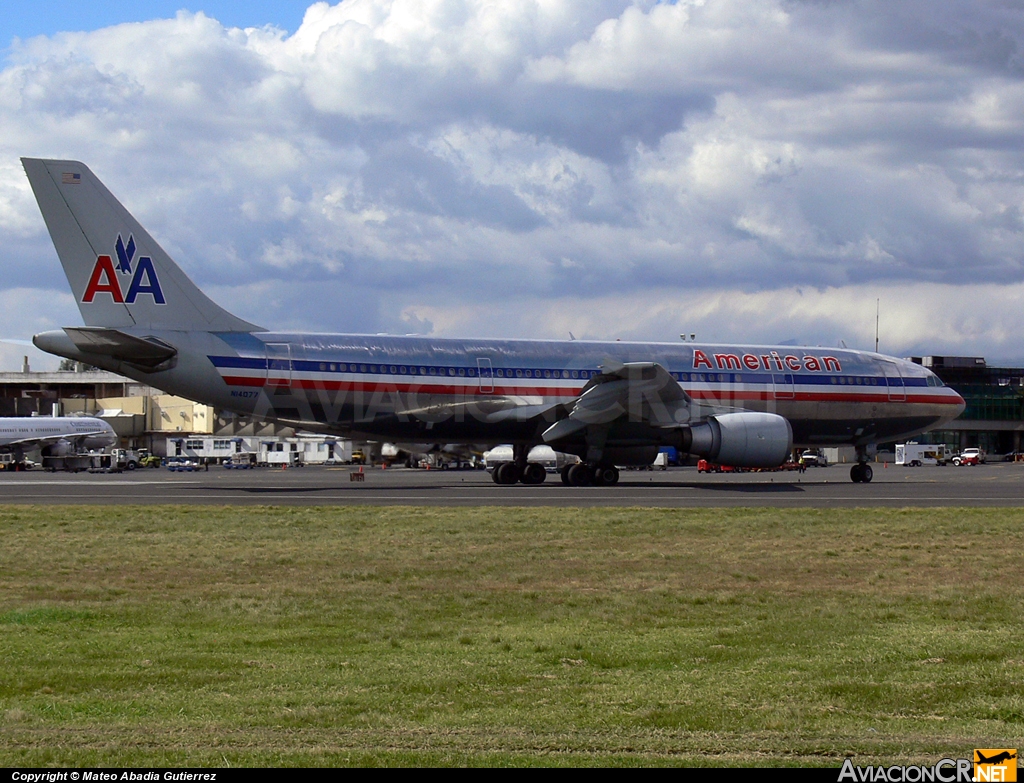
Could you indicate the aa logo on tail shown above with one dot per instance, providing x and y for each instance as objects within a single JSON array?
[{"x": 106, "y": 276}]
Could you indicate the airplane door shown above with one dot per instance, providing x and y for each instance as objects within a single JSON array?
[
  {"x": 486, "y": 374},
  {"x": 784, "y": 386},
  {"x": 279, "y": 365},
  {"x": 893, "y": 380}
]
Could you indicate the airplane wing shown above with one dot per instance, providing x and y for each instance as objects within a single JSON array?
[
  {"x": 625, "y": 396},
  {"x": 630, "y": 410},
  {"x": 640, "y": 391}
]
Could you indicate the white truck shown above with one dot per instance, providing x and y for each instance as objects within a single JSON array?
[
  {"x": 914, "y": 455},
  {"x": 812, "y": 458}
]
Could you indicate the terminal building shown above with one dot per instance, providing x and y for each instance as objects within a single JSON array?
[{"x": 994, "y": 417}]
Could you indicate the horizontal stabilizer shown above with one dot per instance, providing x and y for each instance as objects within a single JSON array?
[{"x": 146, "y": 351}]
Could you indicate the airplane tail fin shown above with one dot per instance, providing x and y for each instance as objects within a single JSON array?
[{"x": 118, "y": 273}]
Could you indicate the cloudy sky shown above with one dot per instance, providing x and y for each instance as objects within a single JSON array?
[{"x": 748, "y": 170}]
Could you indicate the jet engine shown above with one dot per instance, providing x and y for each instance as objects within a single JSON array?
[
  {"x": 100, "y": 441},
  {"x": 60, "y": 448},
  {"x": 745, "y": 440}
]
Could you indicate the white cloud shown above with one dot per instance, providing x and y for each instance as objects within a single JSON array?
[
  {"x": 915, "y": 319},
  {"x": 608, "y": 168}
]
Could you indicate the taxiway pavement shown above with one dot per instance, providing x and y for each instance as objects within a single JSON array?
[{"x": 995, "y": 484}]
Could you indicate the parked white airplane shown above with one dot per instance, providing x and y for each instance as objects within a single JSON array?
[
  {"x": 610, "y": 403},
  {"x": 55, "y": 436}
]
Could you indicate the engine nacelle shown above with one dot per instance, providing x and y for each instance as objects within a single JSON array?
[
  {"x": 745, "y": 440},
  {"x": 98, "y": 441},
  {"x": 60, "y": 448}
]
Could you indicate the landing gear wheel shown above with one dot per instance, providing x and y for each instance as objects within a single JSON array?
[
  {"x": 507, "y": 473},
  {"x": 580, "y": 475},
  {"x": 606, "y": 476},
  {"x": 861, "y": 473},
  {"x": 565, "y": 474},
  {"x": 534, "y": 473}
]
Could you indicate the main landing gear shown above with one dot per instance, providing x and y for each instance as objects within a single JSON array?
[
  {"x": 582, "y": 475},
  {"x": 519, "y": 469},
  {"x": 861, "y": 473},
  {"x": 510, "y": 473}
]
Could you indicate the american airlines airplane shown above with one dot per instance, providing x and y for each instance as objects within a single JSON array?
[
  {"x": 610, "y": 403},
  {"x": 55, "y": 436}
]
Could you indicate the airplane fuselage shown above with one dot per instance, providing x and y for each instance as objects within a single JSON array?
[
  {"x": 23, "y": 433},
  {"x": 488, "y": 391}
]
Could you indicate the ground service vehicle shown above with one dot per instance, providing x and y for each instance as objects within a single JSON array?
[
  {"x": 183, "y": 465},
  {"x": 242, "y": 460},
  {"x": 813, "y": 459},
  {"x": 970, "y": 457},
  {"x": 703, "y": 466},
  {"x": 609, "y": 403},
  {"x": 130, "y": 459},
  {"x": 914, "y": 455},
  {"x": 8, "y": 462}
]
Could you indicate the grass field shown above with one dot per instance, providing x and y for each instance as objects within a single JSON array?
[{"x": 390, "y": 636}]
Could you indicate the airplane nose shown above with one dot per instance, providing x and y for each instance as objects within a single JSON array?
[{"x": 961, "y": 405}]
